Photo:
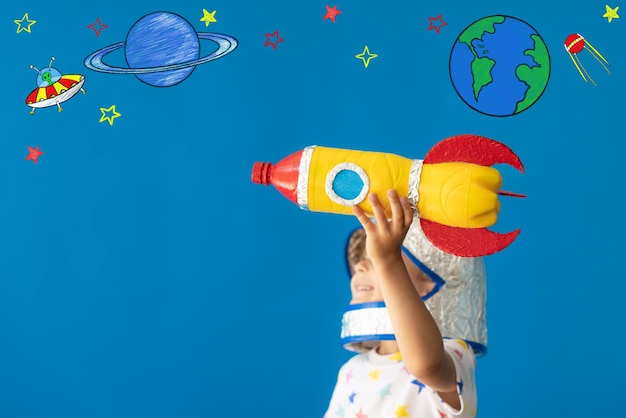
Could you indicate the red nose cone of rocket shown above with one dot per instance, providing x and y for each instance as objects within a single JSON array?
[
  {"x": 261, "y": 173},
  {"x": 283, "y": 175}
]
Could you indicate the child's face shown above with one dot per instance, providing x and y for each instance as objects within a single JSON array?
[{"x": 364, "y": 285}]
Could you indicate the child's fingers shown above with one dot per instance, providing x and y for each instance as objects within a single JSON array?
[
  {"x": 362, "y": 217},
  {"x": 397, "y": 212},
  {"x": 407, "y": 211},
  {"x": 377, "y": 208}
]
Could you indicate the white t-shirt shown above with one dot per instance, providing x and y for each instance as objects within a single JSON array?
[{"x": 371, "y": 385}]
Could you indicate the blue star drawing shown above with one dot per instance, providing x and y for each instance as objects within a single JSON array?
[
  {"x": 420, "y": 384},
  {"x": 351, "y": 397}
]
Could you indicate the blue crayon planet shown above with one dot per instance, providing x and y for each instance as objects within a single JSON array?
[{"x": 162, "y": 49}]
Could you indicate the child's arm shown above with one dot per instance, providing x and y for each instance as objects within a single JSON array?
[{"x": 417, "y": 334}]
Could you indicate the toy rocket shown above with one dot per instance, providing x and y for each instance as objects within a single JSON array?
[{"x": 453, "y": 190}]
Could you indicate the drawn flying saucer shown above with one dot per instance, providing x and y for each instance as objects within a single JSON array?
[
  {"x": 53, "y": 88},
  {"x": 161, "y": 49}
]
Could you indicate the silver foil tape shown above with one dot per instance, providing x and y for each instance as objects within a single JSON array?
[
  {"x": 363, "y": 325},
  {"x": 460, "y": 306},
  {"x": 414, "y": 182},
  {"x": 303, "y": 177}
]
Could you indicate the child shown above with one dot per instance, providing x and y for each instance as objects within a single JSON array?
[{"x": 417, "y": 318}]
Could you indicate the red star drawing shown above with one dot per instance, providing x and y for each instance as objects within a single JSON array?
[
  {"x": 33, "y": 153},
  {"x": 431, "y": 20},
  {"x": 271, "y": 35},
  {"x": 331, "y": 13},
  {"x": 97, "y": 26}
]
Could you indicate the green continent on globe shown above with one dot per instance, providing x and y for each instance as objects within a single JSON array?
[
  {"x": 481, "y": 67},
  {"x": 535, "y": 77},
  {"x": 481, "y": 73},
  {"x": 478, "y": 29}
]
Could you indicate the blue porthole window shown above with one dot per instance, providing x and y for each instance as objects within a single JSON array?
[{"x": 347, "y": 184}]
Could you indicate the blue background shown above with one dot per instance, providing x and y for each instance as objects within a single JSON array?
[{"x": 143, "y": 274}]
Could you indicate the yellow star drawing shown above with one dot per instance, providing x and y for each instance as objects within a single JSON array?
[
  {"x": 26, "y": 28},
  {"x": 463, "y": 343},
  {"x": 401, "y": 411},
  {"x": 208, "y": 17},
  {"x": 611, "y": 13},
  {"x": 366, "y": 56},
  {"x": 105, "y": 115},
  {"x": 396, "y": 356},
  {"x": 374, "y": 374}
]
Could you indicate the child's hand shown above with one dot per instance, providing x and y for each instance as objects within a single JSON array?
[{"x": 384, "y": 238}]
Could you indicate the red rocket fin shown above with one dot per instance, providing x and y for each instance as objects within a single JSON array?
[
  {"x": 470, "y": 242},
  {"x": 466, "y": 242},
  {"x": 472, "y": 149}
]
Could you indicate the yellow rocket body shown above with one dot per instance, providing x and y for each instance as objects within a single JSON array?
[
  {"x": 385, "y": 171},
  {"x": 459, "y": 194},
  {"x": 456, "y": 194}
]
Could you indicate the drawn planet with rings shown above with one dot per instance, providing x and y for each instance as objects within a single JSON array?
[{"x": 161, "y": 49}]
